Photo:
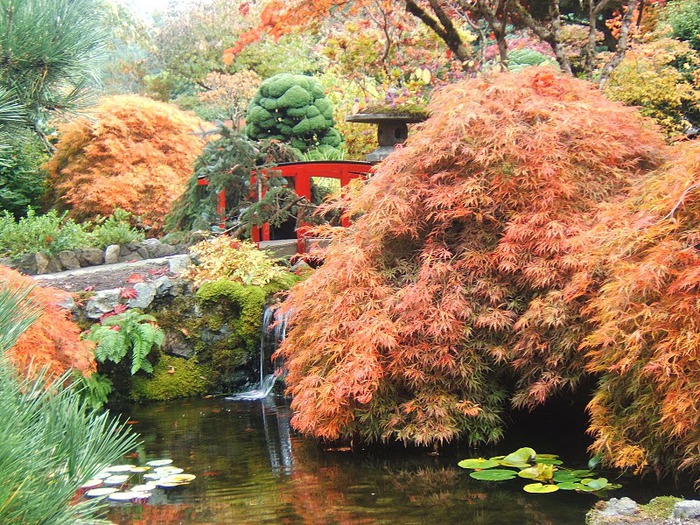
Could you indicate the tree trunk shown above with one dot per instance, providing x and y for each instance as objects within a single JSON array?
[
  {"x": 442, "y": 25},
  {"x": 621, "y": 44}
]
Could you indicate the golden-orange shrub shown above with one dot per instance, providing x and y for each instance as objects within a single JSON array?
[{"x": 134, "y": 153}]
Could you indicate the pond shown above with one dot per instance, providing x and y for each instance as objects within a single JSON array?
[{"x": 252, "y": 469}]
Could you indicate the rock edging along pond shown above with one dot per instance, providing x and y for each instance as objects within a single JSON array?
[
  {"x": 663, "y": 510},
  {"x": 40, "y": 263}
]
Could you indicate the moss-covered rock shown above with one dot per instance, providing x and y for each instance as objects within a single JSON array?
[{"x": 172, "y": 378}]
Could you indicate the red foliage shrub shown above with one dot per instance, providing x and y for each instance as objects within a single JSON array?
[
  {"x": 458, "y": 270},
  {"x": 53, "y": 340},
  {"x": 136, "y": 155}
]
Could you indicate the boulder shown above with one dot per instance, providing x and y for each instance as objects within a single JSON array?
[
  {"x": 112, "y": 254},
  {"x": 620, "y": 507},
  {"x": 146, "y": 293},
  {"x": 175, "y": 343},
  {"x": 90, "y": 257},
  {"x": 101, "y": 303},
  {"x": 687, "y": 509},
  {"x": 133, "y": 252},
  {"x": 68, "y": 259}
]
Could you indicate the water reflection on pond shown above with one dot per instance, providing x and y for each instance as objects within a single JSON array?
[{"x": 252, "y": 470}]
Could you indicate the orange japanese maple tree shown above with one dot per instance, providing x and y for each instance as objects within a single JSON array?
[
  {"x": 457, "y": 274},
  {"x": 136, "y": 154},
  {"x": 645, "y": 345},
  {"x": 53, "y": 340}
]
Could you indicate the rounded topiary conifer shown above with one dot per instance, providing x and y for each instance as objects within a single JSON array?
[{"x": 293, "y": 109}]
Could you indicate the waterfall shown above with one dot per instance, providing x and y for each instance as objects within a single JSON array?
[{"x": 274, "y": 330}]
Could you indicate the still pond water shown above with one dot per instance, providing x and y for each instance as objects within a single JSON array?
[{"x": 251, "y": 469}]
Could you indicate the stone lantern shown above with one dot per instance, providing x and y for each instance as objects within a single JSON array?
[{"x": 392, "y": 129}]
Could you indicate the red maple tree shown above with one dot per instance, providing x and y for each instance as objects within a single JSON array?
[{"x": 457, "y": 272}]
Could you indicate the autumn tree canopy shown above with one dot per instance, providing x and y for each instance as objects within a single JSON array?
[
  {"x": 452, "y": 21},
  {"x": 457, "y": 273},
  {"x": 136, "y": 154}
]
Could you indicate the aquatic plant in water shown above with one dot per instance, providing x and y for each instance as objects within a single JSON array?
[{"x": 546, "y": 471}]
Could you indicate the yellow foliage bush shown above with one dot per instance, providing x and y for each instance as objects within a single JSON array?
[
  {"x": 224, "y": 257},
  {"x": 135, "y": 154},
  {"x": 648, "y": 78}
]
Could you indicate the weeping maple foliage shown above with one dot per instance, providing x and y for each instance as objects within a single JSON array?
[
  {"x": 136, "y": 154},
  {"x": 645, "y": 345},
  {"x": 53, "y": 340},
  {"x": 455, "y": 278}
]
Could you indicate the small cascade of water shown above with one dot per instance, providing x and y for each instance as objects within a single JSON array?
[{"x": 274, "y": 330}]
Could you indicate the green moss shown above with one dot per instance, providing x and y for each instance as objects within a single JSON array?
[
  {"x": 222, "y": 324},
  {"x": 404, "y": 110},
  {"x": 660, "y": 507},
  {"x": 173, "y": 378}
]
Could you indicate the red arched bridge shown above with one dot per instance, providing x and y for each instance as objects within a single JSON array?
[{"x": 299, "y": 175}]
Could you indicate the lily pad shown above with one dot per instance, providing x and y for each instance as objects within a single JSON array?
[
  {"x": 548, "y": 461},
  {"x": 101, "y": 492},
  {"x": 116, "y": 480},
  {"x": 120, "y": 468},
  {"x": 146, "y": 487},
  {"x": 168, "y": 471},
  {"x": 594, "y": 461},
  {"x": 170, "y": 484},
  {"x": 582, "y": 473},
  {"x": 478, "y": 463},
  {"x": 521, "y": 456},
  {"x": 597, "y": 484},
  {"x": 128, "y": 496},
  {"x": 540, "y": 457},
  {"x": 91, "y": 484},
  {"x": 139, "y": 470},
  {"x": 494, "y": 474},
  {"x": 568, "y": 485},
  {"x": 565, "y": 476},
  {"x": 179, "y": 478},
  {"x": 539, "y": 488},
  {"x": 539, "y": 472},
  {"x": 159, "y": 462}
]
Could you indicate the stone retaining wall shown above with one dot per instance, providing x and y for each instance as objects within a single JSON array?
[{"x": 39, "y": 263}]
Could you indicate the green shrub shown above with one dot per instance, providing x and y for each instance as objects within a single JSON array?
[
  {"x": 49, "y": 234},
  {"x": 52, "y": 233},
  {"x": 223, "y": 257},
  {"x": 131, "y": 332},
  {"x": 293, "y": 109},
  {"x": 22, "y": 180},
  {"x": 684, "y": 18},
  {"x": 116, "y": 229}
]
